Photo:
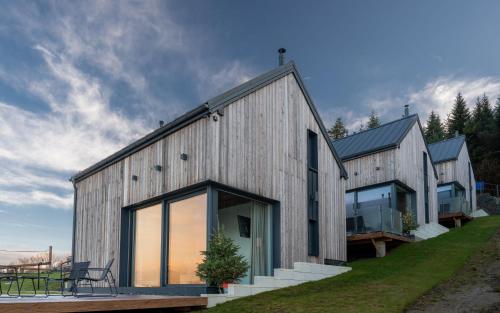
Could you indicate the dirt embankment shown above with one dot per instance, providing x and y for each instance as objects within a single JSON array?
[{"x": 475, "y": 288}]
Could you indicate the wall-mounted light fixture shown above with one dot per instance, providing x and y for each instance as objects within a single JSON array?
[
  {"x": 215, "y": 118},
  {"x": 158, "y": 168},
  {"x": 184, "y": 156},
  {"x": 134, "y": 177}
]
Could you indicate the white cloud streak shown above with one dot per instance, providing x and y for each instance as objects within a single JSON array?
[{"x": 84, "y": 48}]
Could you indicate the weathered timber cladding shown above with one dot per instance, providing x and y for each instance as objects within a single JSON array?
[
  {"x": 458, "y": 170},
  {"x": 259, "y": 145},
  {"x": 403, "y": 164}
]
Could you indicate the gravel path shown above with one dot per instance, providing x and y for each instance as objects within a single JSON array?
[{"x": 475, "y": 288}]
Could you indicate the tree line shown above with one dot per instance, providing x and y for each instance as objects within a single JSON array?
[{"x": 481, "y": 128}]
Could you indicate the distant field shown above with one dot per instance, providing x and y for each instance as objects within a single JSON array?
[
  {"x": 27, "y": 288},
  {"x": 388, "y": 284}
]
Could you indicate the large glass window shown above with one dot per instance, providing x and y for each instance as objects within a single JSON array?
[
  {"x": 248, "y": 224},
  {"x": 349, "y": 203},
  {"x": 187, "y": 237},
  {"x": 147, "y": 248},
  {"x": 375, "y": 197}
]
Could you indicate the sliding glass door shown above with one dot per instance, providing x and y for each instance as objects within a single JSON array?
[
  {"x": 147, "y": 250},
  {"x": 187, "y": 237}
]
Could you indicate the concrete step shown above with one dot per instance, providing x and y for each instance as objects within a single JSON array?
[
  {"x": 331, "y": 270},
  {"x": 429, "y": 230},
  {"x": 479, "y": 213},
  {"x": 285, "y": 273},
  {"x": 271, "y": 281},
  {"x": 238, "y": 290}
]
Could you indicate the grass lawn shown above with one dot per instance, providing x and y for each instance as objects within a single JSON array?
[
  {"x": 27, "y": 289},
  {"x": 388, "y": 284}
]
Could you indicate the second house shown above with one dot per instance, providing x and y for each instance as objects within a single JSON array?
[{"x": 391, "y": 176}]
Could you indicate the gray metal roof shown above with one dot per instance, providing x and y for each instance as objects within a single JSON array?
[
  {"x": 212, "y": 106},
  {"x": 384, "y": 137},
  {"x": 446, "y": 150}
]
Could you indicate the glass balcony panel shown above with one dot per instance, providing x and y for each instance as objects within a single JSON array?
[{"x": 451, "y": 205}]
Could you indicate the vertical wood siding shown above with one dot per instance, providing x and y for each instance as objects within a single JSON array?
[
  {"x": 259, "y": 145},
  {"x": 458, "y": 170},
  {"x": 410, "y": 169},
  {"x": 404, "y": 164}
]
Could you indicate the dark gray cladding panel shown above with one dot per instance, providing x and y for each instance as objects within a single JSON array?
[
  {"x": 446, "y": 150},
  {"x": 369, "y": 141}
]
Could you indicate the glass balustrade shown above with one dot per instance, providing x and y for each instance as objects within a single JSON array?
[
  {"x": 451, "y": 205},
  {"x": 374, "y": 218}
]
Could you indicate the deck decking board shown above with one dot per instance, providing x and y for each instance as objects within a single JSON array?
[{"x": 98, "y": 304}]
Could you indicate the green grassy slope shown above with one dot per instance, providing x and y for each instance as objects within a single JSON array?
[{"x": 378, "y": 285}]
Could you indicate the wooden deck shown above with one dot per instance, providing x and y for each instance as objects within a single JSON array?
[
  {"x": 56, "y": 304},
  {"x": 453, "y": 216},
  {"x": 377, "y": 236}
]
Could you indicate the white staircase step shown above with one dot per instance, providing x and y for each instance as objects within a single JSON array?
[
  {"x": 284, "y": 273},
  {"x": 429, "y": 230},
  {"x": 271, "y": 281},
  {"x": 283, "y": 277},
  {"x": 238, "y": 290},
  {"x": 479, "y": 213},
  {"x": 320, "y": 268}
]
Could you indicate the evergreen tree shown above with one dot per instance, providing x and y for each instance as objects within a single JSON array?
[
  {"x": 338, "y": 130},
  {"x": 221, "y": 262},
  {"x": 481, "y": 141},
  {"x": 458, "y": 117},
  {"x": 373, "y": 120},
  {"x": 497, "y": 116},
  {"x": 434, "y": 130}
]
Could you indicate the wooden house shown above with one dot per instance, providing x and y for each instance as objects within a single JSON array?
[
  {"x": 456, "y": 189},
  {"x": 254, "y": 162},
  {"x": 390, "y": 173}
]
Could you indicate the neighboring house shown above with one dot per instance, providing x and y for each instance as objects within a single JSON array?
[
  {"x": 255, "y": 162},
  {"x": 456, "y": 183},
  {"x": 390, "y": 173}
]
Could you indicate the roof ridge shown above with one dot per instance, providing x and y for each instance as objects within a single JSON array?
[
  {"x": 448, "y": 139},
  {"x": 383, "y": 125}
]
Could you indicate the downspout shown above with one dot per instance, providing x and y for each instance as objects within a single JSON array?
[{"x": 74, "y": 221}]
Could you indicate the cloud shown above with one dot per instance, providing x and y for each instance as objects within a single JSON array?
[
  {"x": 437, "y": 95},
  {"x": 83, "y": 57}
]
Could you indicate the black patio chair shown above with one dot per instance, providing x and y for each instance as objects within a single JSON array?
[
  {"x": 104, "y": 275},
  {"x": 9, "y": 274},
  {"x": 78, "y": 272}
]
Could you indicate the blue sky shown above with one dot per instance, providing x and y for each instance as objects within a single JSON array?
[{"x": 80, "y": 80}]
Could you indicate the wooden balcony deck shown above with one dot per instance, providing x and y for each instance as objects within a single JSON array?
[
  {"x": 378, "y": 235},
  {"x": 56, "y": 304}
]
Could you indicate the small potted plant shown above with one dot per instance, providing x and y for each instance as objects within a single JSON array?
[
  {"x": 408, "y": 223},
  {"x": 221, "y": 263}
]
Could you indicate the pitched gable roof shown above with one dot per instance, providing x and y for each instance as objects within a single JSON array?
[
  {"x": 211, "y": 106},
  {"x": 384, "y": 137},
  {"x": 446, "y": 150}
]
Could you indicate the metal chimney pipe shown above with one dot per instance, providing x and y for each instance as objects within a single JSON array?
[
  {"x": 407, "y": 110},
  {"x": 281, "y": 52}
]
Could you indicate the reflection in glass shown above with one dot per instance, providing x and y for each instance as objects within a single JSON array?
[
  {"x": 248, "y": 224},
  {"x": 349, "y": 203},
  {"x": 147, "y": 248},
  {"x": 187, "y": 237}
]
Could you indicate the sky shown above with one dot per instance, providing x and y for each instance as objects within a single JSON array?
[{"x": 81, "y": 79}]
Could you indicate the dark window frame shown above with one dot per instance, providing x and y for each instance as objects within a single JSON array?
[
  {"x": 312, "y": 194},
  {"x": 210, "y": 188}
]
